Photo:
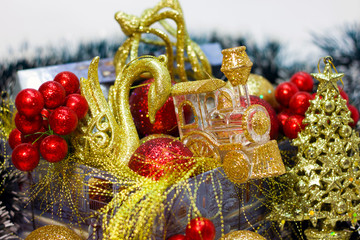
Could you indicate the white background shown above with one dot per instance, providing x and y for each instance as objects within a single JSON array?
[{"x": 66, "y": 22}]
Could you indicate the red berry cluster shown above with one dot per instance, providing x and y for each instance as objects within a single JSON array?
[
  {"x": 44, "y": 116},
  {"x": 293, "y": 97}
]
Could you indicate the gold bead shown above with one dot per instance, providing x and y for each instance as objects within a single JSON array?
[
  {"x": 345, "y": 131},
  {"x": 329, "y": 106}
]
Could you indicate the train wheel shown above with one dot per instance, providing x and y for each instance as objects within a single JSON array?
[{"x": 236, "y": 166}]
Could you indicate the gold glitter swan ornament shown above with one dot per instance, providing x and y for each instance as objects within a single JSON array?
[{"x": 108, "y": 129}]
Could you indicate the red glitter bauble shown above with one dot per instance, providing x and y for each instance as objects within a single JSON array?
[
  {"x": 25, "y": 157},
  {"x": 200, "y": 229},
  {"x": 15, "y": 138},
  {"x": 35, "y": 139},
  {"x": 283, "y": 116},
  {"x": 29, "y": 102},
  {"x": 45, "y": 113},
  {"x": 354, "y": 115},
  {"x": 63, "y": 120},
  {"x": 274, "y": 130},
  {"x": 53, "y": 148},
  {"x": 165, "y": 118},
  {"x": 303, "y": 81},
  {"x": 69, "y": 81},
  {"x": 78, "y": 104},
  {"x": 299, "y": 103},
  {"x": 178, "y": 237},
  {"x": 54, "y": 94},
  {"x": 159, "y": 156},
  {"x": 284, "y": 91},
  {"x": 28, "y": 125},
  {"x": 293, "y": 125}
]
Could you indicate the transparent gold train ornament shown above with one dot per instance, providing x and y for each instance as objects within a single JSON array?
[
  {"x": 109, "y": 128},
  {"x": 135, "y": 27},
  {"x": 225, "y": 127}
]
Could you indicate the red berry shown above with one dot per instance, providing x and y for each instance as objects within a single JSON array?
[
  {"x": 15, "y": 138},
  {"x": 54, "y": 94},
  {"x": 29, "y": 102},
  {"x": 200, "y": 229},
  {"x": 283, "y": 116},
  {"x": 53, "y": 148},
  {"x": 293, "y": 125},
  {"x": 63, "y": 120},
  {"x": 284, "y": 91},
  {"x": 303, "y": 81},
  {"x": 78, "y": 104},
  {"x": 25, "y": 157},
  {"x": 28, "y": 125},
  {"x": 354, "y": 115},
  {"x": 69, "y": 81},
  {"x": 299, "y": 103},
  {"x": 343, "y": 94}
]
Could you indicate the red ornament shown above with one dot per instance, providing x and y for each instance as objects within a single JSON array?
[
  {"x": 63, "y": 120},
  {"x": 78, "y": 104},
  {"x": 69, "y": 81},
  {"x": 284, "y": 91},
  {"x": 36, "y": 138},
  {"x": 28, "y": 125},
  {"x": 159, "y": 156},
  {"x": 45, "y": 113},
  {"x": 178, "y": 237},
  {"x": 25, "y": 157},
  {"x": 54, "y": 94},
  {"x": 293, "y": 125},
  {"x": 274, "y": 130},
  {"x": 15, "y": 138},
  {"x": 354, "y": 115},
  {"x": 200, "y": 229},
  {"x": 53, "y": 148},
  {"x": 299, "y": 103},
  {"x": 29, "y": 102},
  {"x": 303, "y": 81},
  {"x": 344, "y": 95},
  {"x": 165, "y": 118},
  {"x": 283, "y": 116}
]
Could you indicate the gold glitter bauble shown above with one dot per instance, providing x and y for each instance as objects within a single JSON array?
[
  {"x": 242, "y": 235},
  {"x": 53, "y": 232},
  {"x": 261, "y": 87},
  {"x": 345, "y": 131}
]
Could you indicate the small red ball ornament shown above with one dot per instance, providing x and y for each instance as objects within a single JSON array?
[
  {"x": 15, "y": 138},
  {"x": 54, "y": 94},
  {"x": 293, "y": 125},
  {"x": 354, "y": 115},
  {"x": 63, "y": 120},
  {"x": 283, "y": 116},
  {"x": 299, "y": 103},
  {"x": 200, "y": 229},
  {"x": 343, "y": 94},
  {"x": 178, "y": 237},
  {"x": 78, "y": 104},
  {"x": 29, "y": 102},
  {"x": 303, "y": 81},
  {"x": 25, "y": 157},
  {"x": 159, "y": 156},
  {"x": 165, "y": 118},
  {"x": 28, "y": 125},
  {"x": 53, "y": 148},
  {"x": 284, "y": 91},
  {"x": 69, "y": 81}
]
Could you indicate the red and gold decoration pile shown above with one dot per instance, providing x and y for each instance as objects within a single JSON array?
[
  {"x": 323, "y": 186},
  {"x": 44, "y": 117}
]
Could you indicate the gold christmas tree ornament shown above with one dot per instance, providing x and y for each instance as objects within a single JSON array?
[
  {"x": 134, "y": 27},
  {"x": 324, "y": 183}
]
